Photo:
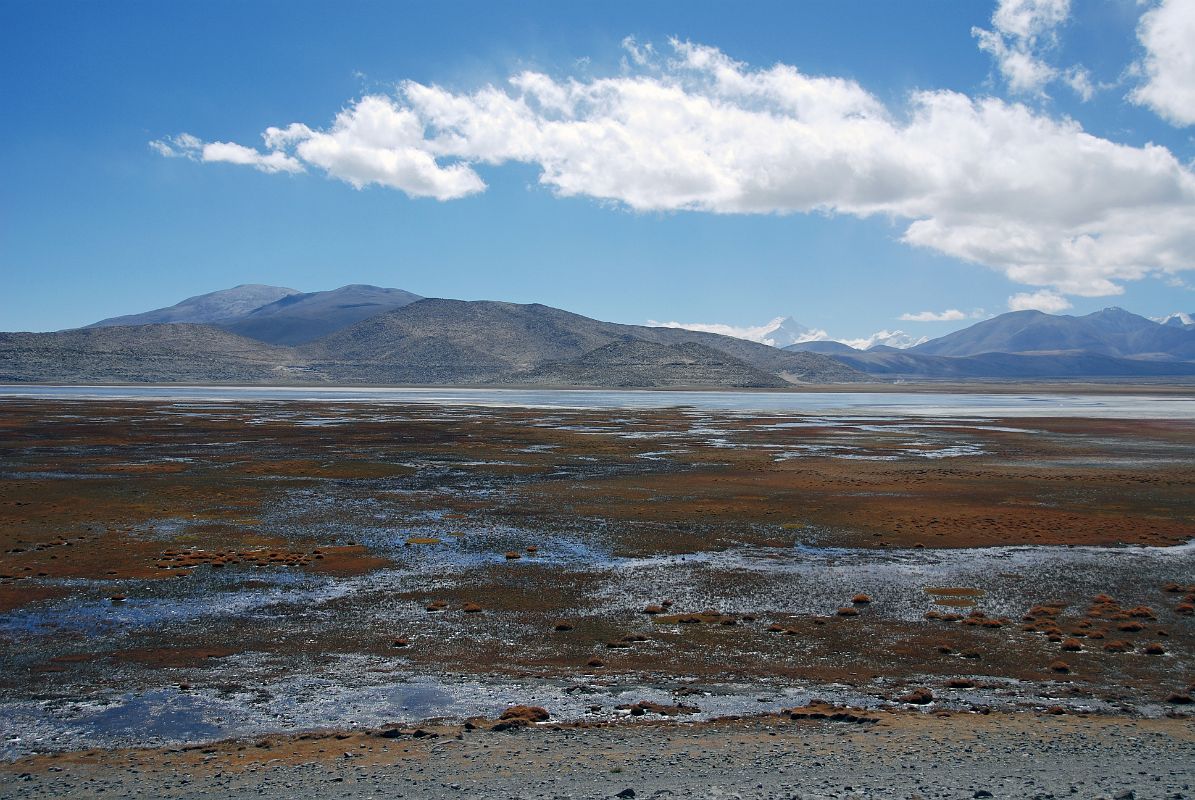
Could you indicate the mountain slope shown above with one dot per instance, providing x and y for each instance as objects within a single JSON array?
[
  {"x": 1111, "y": 332},
  {"x": 822, "y": 346},
  {"x": 1180, "y": 320},
  {"x": 1011, "y": 366},
  {"x": 427, "y": 342},
  {"x": 206, "y": 308},
  {"x": 463, "y": 341},
  {"x": 636, "y": 363},
  {"x": 167, "y": 353},
  {"x": 305, "y": 317}
]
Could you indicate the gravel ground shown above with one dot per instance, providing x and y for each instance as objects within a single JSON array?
[{"x": 904, "y": 755}]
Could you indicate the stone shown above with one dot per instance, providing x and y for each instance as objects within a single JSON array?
[
  {"x": 528, "y": 713},
  {"x": 821, "y": 710},
  {"x": 647, "y": 707},
  {"x": 521, "y": 716},
  {"x": 919, "y": 696}
]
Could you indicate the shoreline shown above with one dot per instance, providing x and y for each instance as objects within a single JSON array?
[
  {"x": 1081, "y": 387},
  {"x": 902, "y": 753}
]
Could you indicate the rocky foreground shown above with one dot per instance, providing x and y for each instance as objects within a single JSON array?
[{"x": 899, "y": 754}]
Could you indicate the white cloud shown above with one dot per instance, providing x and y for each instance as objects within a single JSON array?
[
  {"x": 1167, "y": 32},
  {"x": 949, "y": 315},
  {"x": 378, "y": 141},
  {"x": 187, "y": 146},
  {"x": 239, "y": 154},
  {"x": 1079, "y": 79},
  {"x": 985, "y": 181},
  {"x": 1044, "y": 300},
  {"x": 1023, "y": 33},
  {"x": 1024, "y": 72}
]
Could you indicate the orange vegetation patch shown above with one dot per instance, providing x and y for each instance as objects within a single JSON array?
[
  {"x": 886, "y": 504},
  {"x": 173, "y": 656},
  {"x": 14, "y": 596}
]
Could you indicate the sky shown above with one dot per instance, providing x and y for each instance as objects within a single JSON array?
[{"x": 865, "y": 167}]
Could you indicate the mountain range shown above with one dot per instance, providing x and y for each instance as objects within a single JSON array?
[
  {"x": 365, "y": 334},
  {"x": 1112, "y": 343},
  {"x": 368, "y": 334}
]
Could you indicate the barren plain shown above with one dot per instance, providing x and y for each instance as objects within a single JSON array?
[{"x": 271, "y": 576}]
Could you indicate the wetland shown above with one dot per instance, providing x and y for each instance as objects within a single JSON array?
[{"x": 188, "y": 569}]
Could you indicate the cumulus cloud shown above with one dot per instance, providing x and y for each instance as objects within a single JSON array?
[
  {"x": 1023, "y": 32},
  {"x": 187, "y": 146},
  {"x": 949, "y": 315},
  {"x": 1167, "y": 33},
  {"x": 982, "y": 180},
  {"x": 1043, "y": 300}
]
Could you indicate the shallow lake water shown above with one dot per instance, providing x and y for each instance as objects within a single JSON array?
[{"x": 881, "y": 404}]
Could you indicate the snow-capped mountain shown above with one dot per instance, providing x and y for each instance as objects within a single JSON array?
[
  {"x": 778, "y": 332},
  {"x": 1178, "y": 320}
]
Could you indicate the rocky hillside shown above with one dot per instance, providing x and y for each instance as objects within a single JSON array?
[
  {"x": 425, "y": 342},
  {"x": 182, "y": 353},
  {"x": 483, "y": 341}
]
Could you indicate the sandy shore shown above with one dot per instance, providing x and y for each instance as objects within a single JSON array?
[{"x": 902, "y": 755}]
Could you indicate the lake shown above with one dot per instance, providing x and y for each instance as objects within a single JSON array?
[{"x": 881, "y": 404}]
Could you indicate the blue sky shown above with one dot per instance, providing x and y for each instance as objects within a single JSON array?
[{"x": 850, "y": 225}]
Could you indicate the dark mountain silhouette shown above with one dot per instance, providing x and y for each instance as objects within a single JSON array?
[
  {"x": 1111, "y": 332},
  {"x": 301, "y": 318},
  {"x": 1011, "y": 366},
  {"x": 824, "y": 346}
]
